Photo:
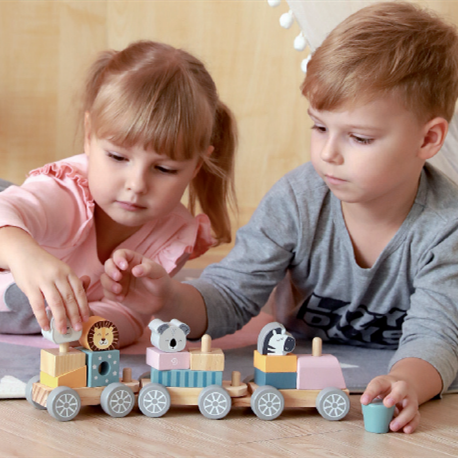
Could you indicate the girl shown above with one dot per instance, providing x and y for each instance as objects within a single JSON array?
[{"x": 153, "y": 128}]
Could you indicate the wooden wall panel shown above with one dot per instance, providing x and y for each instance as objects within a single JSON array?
[
  {"x": 29, "y": 62},
  {"x": 82, "y": 34},
  {"x": 46, "y": 47}
]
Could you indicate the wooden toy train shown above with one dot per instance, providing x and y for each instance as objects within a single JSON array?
[{"x": 89, "y": 375}]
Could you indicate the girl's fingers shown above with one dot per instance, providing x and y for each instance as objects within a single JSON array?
[
  {"x": 56, "y": 304},
  {"x": 123, "y": 258},
  {"x": 86, "y": 281},
  {"x": 149, "y": 269},
  {"x": 38, "y": 306},
  {"x": 112, "y": 270},
  {"x": 106, "y": 281},
  {"x": 111, "y": 289},
  {"x": 79, "y": 291},
  {"x": 109, "y": 285},
  {"x": 71, "y": 305}
]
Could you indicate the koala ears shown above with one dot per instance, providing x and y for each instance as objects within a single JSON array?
[
  {"x": 160, "y": 326},
  {"x": 184, "y": 327}
]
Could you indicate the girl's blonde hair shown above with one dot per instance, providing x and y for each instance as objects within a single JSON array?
[
  {"x": 384, "y": 48},
  {"x": 163, "y": 98}
]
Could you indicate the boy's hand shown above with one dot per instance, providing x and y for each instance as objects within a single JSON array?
[
  {"x": 400, "y": 393},
  {"x": 130, "y": 276},
  {"x": 46, "y": 280}
]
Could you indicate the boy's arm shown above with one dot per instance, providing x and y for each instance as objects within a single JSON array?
[
  {"x": 426, "y": 361},
  {"x": 410, "y": 383},
  {"x": 189, "y": 304}
]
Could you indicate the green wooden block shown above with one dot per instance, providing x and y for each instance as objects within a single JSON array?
[
  {"x": 102, "y": 367},
  {"x": 186, "y": 378}
]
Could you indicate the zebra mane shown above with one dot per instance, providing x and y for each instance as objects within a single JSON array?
[{"x": 266, "y": 348}]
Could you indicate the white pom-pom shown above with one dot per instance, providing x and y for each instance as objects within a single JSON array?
[
  {"x": 300, "y": 43},
  {"x": 287, "y": 19},
  {"x": 305, "y": 63},
  {"x": 273, "y": 3}
]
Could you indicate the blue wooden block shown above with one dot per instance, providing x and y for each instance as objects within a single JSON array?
[
  {"x": 102, "y": 367},
  {"x": 280, "y": 380},
  {"x": 377, "y": 417},
  {"x": 187, "y": 378}
]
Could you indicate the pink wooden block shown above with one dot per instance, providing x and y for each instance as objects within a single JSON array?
[
  {"x": 318, "y": 372},
  {"x": 163, "y": 361}
]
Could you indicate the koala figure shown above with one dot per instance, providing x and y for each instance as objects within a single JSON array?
[
  {"x": 55, "y": 336},
  {"x": 169, "y": 337}
]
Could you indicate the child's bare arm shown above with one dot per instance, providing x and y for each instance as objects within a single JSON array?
[
  {"x": 132, "y": 278},
  {"x": 410, "y": 383},
  {"x": 41, "y": 277}
]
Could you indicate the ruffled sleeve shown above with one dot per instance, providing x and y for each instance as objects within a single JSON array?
[
  {"x": 73, "y": 176},
  {"x": 176, "y": 239},
  {"x": 189, "y": 243},
  {"x": 54, "y": 204}
]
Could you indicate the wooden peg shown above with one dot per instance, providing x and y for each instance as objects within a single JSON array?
[
  {"x": 206, "y": 345},
  {"x": 316, "y": 346},
  {"x": 127, "y": 375},
  {"x": 235, "y": 378},
  {"x": 63, "y": 347}
]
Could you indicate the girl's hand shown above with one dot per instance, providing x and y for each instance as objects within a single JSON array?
[
  {"x": 47, "y": 281},
  {"x": 131, "y": 277},
  {"x": 400, "y": 393}
]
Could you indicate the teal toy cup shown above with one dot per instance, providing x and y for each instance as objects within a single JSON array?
[{"x": 377, "y": 417}]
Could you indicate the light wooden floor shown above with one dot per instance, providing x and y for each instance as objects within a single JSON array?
[{"x": 183, "y": 432}]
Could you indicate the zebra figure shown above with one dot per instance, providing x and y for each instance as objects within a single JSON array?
[{"x": 275, "y": 340}]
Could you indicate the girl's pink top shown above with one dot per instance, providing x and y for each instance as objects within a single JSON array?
[{"x": 54, "y": 205}]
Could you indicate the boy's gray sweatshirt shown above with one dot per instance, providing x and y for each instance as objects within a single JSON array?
[{"x": 407, "y": 300}]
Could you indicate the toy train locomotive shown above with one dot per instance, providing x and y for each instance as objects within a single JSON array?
[{"x": 89, "y": 375}]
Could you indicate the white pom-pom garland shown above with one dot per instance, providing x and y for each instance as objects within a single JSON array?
[
  {"x": 305, "y": 63},
  {"x": 287, "y": 19},
  {"x": 300, "y": 43}
]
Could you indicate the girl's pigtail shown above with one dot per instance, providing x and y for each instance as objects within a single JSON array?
[
  {"x": 94, "y": 79},
  {"x": 214, "y": 186}
]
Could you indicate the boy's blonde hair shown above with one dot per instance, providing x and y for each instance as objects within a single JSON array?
[
  {"x": 163, "y": 98},
  {"x": 388, "y": 47}
]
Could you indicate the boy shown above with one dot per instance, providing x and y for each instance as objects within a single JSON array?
[{"x": 367, "y": 233}]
